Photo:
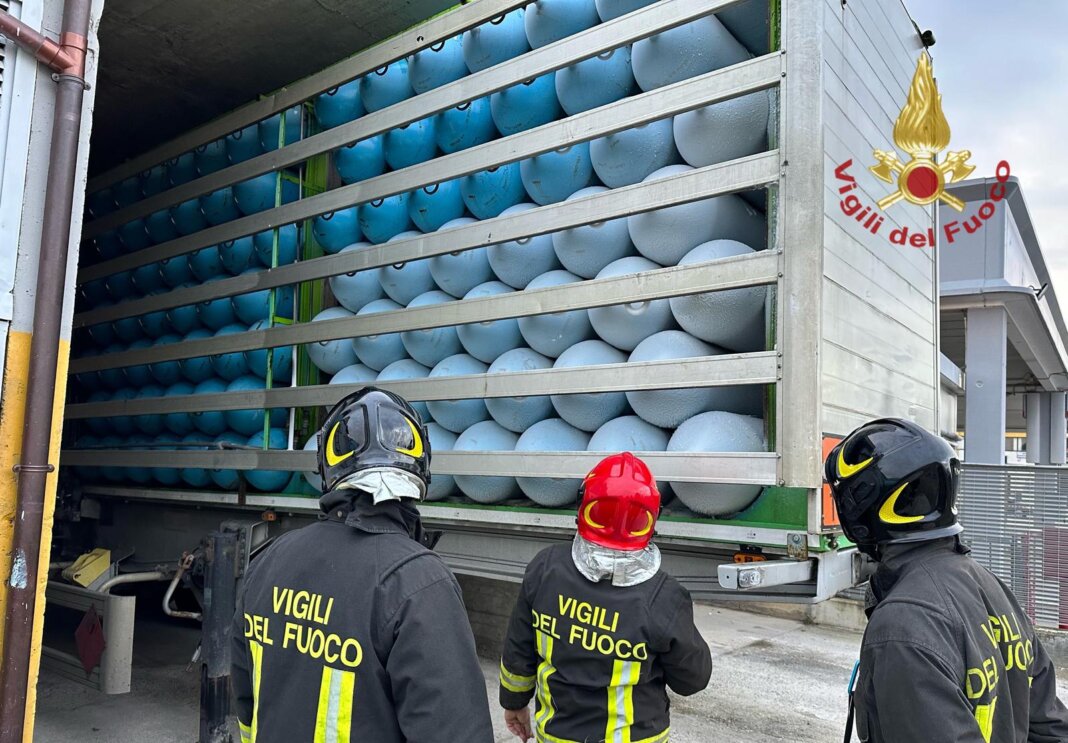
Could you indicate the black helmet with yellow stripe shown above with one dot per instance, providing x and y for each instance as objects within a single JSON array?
[
  {"x": 372, "y": 429},
  {"x": 892, "y": 482}
]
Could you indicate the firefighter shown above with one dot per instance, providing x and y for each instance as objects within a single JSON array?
[
  {"x": 351, "y": 629},
  {"x": 598, "y": 629},
  {"x": 948, "y": 653}
]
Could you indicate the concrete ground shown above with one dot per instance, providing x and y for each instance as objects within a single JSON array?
[{"x": 775, "y": 679}]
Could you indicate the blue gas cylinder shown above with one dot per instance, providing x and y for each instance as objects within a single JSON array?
[
  {"x": 626, "y": 325},
  {"x": 128, "y": 329},
  {"x": 194, "y": 477},
  {"x": 178, "y": 423},
  {"x": 683, "y": 52},
  {"x": 160, "y": 226},
  {"x": 433, "y": 206},
  {"x": 410, "y": 144},
  {"x": 609, "y": 9},
  {"x": 237, "y": 256},
  {"x": 101, "y": 202},
  {"x": 123, "y": 425},
  {"x": 488, "y": 340},
  {"x": 551, "y": 20},
  {"x": 113, "y": 379},
  {"x": 134, "y": 236},
  {"x": 249, "y": 422},
  {"x": 198, "y": 368},
  {"x": 361, "y": 160},
  {"x": 188, "y": 217},
  {"x": 147, "y": 279},
  {"x": 518, "y": 262},
  {"x": 269, "y": 129},
  {"x": 437, "y": 65},
  {"x": 596, "y": 81},
  {"x": 216, "y": 313},
  {"x": 591, "y": 410},
  {"x": 166, "y": 372},
  {"x": 244, "y": 144},
  {"x": 355, "y": 289},
  {"x": 154, "y": 180},
  {"x": 99, "y": 426},
  {"x": 140, "y": 475},
  {"x": 175, "y": 271},
  {"x": 107, "y": 245},
  {"x": 666, "y": 235},
  {"x": 256, "y": 306},
  {"x": 585, "y": 250},
  {"x": 519, "y": 413},
  {"x": 150, "y": 423},
  {"x": 382, "y": 219},
  {"x": 181, "y": 169},
  {"x": 628, "y": 433},
  {"x": 629, "y": 156},
  {"x": 225, "y": 478},
  {"x": 288, "y": 244},
  {"x": 431, "y": 345},
  {"x": 355, "y": 374},
  {"x": 717, "y": 431},
  {"x": 379, "y": 351},
  {"x": 727, "y": 130},
  {"x": 407, "y": 369},
  {"x": 553, "y": 176},
  {"x": 486, "y": 436},
  {"x": 553, "y": 434},
  {"x": 269, "y": 481},
  {"x": 258, "y": 194},
  {"x": 219, "y": 206},
  {"x": 441, "y": 486},
  {"x": 207, "y": 158},
  {"x": 112, "y": 474},
  {"x": 312, "y": 476},
  {"x": 525, "y": 105},
  {"x": 96, "y": 293},
  {"x": 491, "y": 192},
  {"x": 495, "y": 41},
  {"x": 331, "y": 356},
  {"x": 403, "y": 282},
  {"x": 230, "y": 365},
  {"x": 552, "y": 334},
  {"x": 128, "y": 191},
  {"x": 385, "y": 86},
  {"x": 206, "y": 263},
  {"x": 210, "y": 422},
  {"x": 183, "y": 319},
  {"x": 459, "y": 273},
  {"x": 336, "y": 230},
  {"x": 339, "y": 105},
  {"x": 734, "y": 318},
  {"x": 281, "y": 359},
  {"x": 458, "y": 415},
  {"x": 464, "y": 126}
]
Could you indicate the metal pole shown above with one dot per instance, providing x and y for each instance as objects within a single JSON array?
[
  {"x": 34, "y": 466},
  {"x": 220, "y": 604}
]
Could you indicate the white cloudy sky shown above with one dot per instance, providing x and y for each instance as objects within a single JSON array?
[{"x": 1002, "y": 69}]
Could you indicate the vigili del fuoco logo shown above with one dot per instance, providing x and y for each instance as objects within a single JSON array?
[{"x": 921, "y": 130}]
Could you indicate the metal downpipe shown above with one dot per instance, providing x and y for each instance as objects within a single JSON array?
[{"x": 34, "y": 466}]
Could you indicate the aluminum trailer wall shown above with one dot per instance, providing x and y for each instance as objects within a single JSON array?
[{"x": 845, "y": 344}]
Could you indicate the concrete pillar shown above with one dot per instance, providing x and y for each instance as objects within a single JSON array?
[
  {"x": 1058, "y": 429},
  {"x": 1033, "y": 417},
  {"x": 984, "y": 361}
]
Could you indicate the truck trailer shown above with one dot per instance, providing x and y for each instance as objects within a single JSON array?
[{"x": 562, "y": 228}]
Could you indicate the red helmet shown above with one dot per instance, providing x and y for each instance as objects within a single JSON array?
[{"x": 619, "y": 503}]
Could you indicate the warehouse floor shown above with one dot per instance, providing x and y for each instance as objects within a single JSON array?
[{"x": 774, "y": 680}]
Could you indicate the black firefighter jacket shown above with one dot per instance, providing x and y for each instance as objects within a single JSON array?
[
  {"x": 349, "y": 630},
  {"x": 948, "y": 655},
  {"x": 598, "y": 656}
]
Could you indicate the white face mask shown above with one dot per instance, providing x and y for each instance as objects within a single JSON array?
[
  {"x": 385, "y": 483},
  {"x": 624, "y": 567}
]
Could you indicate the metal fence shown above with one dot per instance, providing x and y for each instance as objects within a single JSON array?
[{"x": 1016, "y": 521}]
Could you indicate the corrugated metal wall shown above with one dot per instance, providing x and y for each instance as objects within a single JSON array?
[{"x": 1016, "y": 521}]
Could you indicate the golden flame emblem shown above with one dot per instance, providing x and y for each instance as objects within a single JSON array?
[{"x": 922, "y": 131}]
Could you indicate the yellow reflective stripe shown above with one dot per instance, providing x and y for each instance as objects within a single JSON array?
[
  {"x": 621, "y": 701},
  {"x": 546, "y": 710},
  {"x": 984, "y": 715},
  {"x": 540, "y": 737},
  {"x": 246, "y": 732},
  {"x": 333, "y": 719},
  {"x": 658, "y": 738},
  {"x": 257, "y": 668},
  {"x": 515, "y": 682},
  {"x": 888, "y": 513}
]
